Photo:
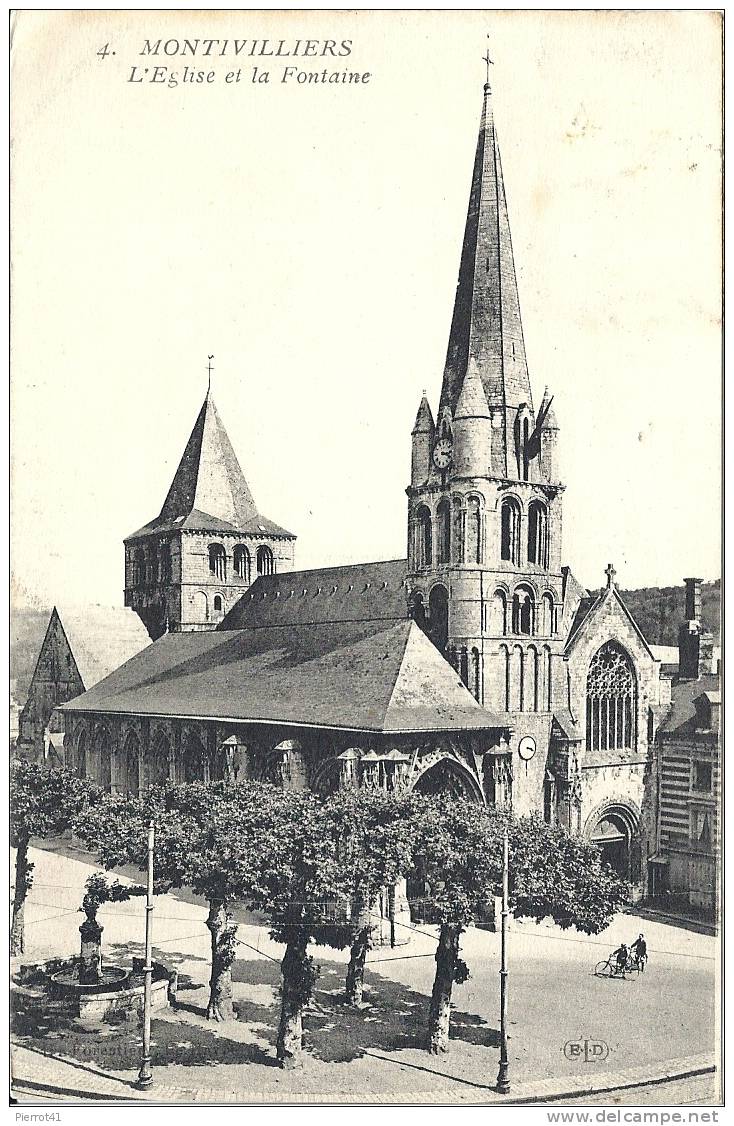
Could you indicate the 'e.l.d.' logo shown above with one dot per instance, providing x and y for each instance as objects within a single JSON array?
[{"x": 590, "y": 1051}]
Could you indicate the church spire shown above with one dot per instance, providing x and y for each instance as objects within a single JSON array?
[{"x": 486, "y": 329}]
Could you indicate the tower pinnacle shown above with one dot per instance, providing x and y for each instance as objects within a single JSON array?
[{"x": 486, "y": 328}]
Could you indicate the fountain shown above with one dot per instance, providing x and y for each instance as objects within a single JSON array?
[{"x": 83, "y": 987}]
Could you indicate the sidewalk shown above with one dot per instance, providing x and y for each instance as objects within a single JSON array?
[{"x": 38, "y": 1075}]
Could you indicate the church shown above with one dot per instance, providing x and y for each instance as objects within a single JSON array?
[{"x": 478, "y": 665}]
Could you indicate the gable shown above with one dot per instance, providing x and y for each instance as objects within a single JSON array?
[{"x": 606, "y": 619}]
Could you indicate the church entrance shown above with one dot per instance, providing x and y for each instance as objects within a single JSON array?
[{"x": 614, "y": 832}]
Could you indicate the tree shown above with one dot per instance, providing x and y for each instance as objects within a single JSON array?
[
  {"x": 44, "y": 802},
  {"x": 374, "y": 833},
  {"x": 204, "y": 840},
  {"x": 304, "y": 889},
  {"x": 552, "y": 873}
]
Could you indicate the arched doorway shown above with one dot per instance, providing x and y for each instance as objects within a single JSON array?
[{"x": 615, "y": 831}]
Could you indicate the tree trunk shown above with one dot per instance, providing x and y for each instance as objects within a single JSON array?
[
  {"x": 220, "y": 983},
  {"x": 22, "y": 882},
  {"x": 440, "y": 1012},
  {"x": 355, "y": 970},
  {"x": 296, "y": 992}
]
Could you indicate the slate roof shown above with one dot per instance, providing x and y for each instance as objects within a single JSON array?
[
  {"x": 351, "y": 675},
  {"x": 209, "y": 491},
  {"x": 681, "y": 719},
  {"x": 366, "y": 592},
  {"x": 101, "y": 638}
]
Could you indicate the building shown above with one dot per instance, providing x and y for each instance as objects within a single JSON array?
[
  {"x": 186, "y": 569},
  {"x": 81, "y": 646},
  {"x": 536, "y": 695},
  {"x": 685, "y": 867}
]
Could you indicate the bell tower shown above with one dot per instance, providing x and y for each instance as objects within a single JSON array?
[{"x": 484, "y": 502}]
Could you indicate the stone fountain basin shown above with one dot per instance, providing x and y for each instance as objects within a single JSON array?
[{"x": 121, "y": 991}]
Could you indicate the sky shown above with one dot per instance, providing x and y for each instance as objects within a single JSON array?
[{"x": 308, "y": 236}]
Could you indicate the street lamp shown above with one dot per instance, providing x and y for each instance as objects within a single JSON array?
[
  {"x": 145, "y": 1075},
  {"x": 503, "y": 1082}
]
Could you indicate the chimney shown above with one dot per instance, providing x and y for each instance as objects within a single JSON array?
[
  {"x": 695, "y": 644},
  {"x": 693, "y": 599}
]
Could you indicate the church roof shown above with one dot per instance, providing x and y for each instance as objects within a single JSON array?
[
  {"x": 486, "y": 327},
  {"x": 209, "y": 491},
  {"x": 355, "y": 592},
  {"x": 351, "y": 675},
  {"x": 101, "y": 638}
]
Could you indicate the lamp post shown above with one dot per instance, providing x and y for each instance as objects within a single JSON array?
[
  {"x": 145, "y": 1075},
  {"x": 503, "y": 1082}
]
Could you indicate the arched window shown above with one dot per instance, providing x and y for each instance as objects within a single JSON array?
[
  {"x": 139, "y": 567},
  {"x": 505, "y": 656},
  {"x": 517, "y": 680},
  {"x": 153, "y": 566},
  {"x": 523, "y": 611},
  {"x": 131, "y": 765},
  {"x": 499, "y": 613},
  {"x": 538, "y": 533},
  {"x": 473, "y": 530},
  {"x": 242, "y": 563},
  {"x": 531, "y": 678},
  {"x": 438, "y": 616},
  {"x": 194, "y": 764},
  {"x": 417, "y": 609},
  {"x": 458, "y": 531},
  {"x": 165, "y": 557},
  {"x": 476, "y": 679},
  {"x": 218, "y": 606},
  {"x": 202, "y": 606},
  {"x": 218, "y": 561},
  {"x": 424, "y": 544},
  {"x": 81, "y": 754},
  {"x": 548, "y": 679},
  {"x": 611, "y": 700},
  {"x": 510, "y": 547},
  {"x": 265, "y": 561},
  {"x": 158, "y": 766},
  {"x": 443, "y": 531},
  {"x": 464, "y": 666},
  {"x": 525, "y": 448},
  {"x": 102, "y": 757},
  {"x": 547, "y": 615}
]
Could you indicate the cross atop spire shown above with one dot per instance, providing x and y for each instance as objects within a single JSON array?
[
  {"x": 489, "y": 62},
  {"x": 610, "y": 573},
  {"x": 209, "y": 372}
]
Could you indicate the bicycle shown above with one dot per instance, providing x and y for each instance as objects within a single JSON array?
[{"x": 609, "y": 967}]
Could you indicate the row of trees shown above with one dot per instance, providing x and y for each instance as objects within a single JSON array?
[{"x": 315, "y": 869}]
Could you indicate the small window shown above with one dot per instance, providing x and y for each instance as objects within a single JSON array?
[
  {"x": 217, "y": 603},
  {"x": 702, "y": 777}
]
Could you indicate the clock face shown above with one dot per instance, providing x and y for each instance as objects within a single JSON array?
[
  {"x": 526, "y": 748},
  {"x": 442, "y": 453}
]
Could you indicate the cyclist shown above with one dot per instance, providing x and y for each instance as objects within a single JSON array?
[
  {"x": 638, "y": 950},
  {"x": 622, "y": 956}
]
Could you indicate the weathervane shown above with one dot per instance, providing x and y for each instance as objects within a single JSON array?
[
  {"x": 209, "y": 371},
  {"x": 489, "y": 62}
]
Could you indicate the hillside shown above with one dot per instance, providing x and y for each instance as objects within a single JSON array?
[{"x": 659, "y": 611}]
